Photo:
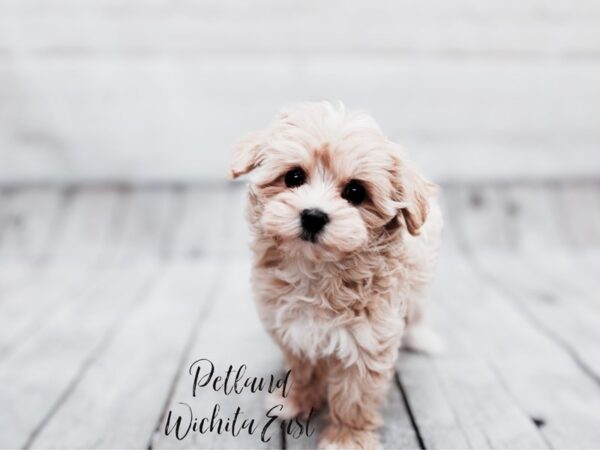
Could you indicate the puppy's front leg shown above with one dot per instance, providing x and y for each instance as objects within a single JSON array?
[
  {"x": 355, "y": 397},
  {"x": 307, "y": 389}
]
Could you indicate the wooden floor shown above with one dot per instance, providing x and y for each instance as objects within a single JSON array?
[{"x": 108, "y": 294}]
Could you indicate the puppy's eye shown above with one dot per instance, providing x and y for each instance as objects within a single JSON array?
[
  {"x": 354, "y": 192},
  {"x": 295, "y": 177}
]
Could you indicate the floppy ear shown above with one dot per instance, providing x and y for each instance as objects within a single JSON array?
[
  {"x": 246, "y": 155},
  {"x": 414, "y": 192}
]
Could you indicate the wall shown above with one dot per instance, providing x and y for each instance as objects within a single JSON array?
[{"x": 114, "y": 90}]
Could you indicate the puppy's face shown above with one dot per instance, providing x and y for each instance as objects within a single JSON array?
[{"x": 327, "y": 183}]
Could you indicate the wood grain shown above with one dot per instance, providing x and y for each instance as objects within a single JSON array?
[{"x": 96, "y": 337}]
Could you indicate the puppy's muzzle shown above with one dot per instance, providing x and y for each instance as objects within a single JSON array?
[{"x": 313, "y": 221}]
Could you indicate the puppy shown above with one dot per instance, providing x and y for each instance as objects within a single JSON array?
[{"x": 345, "y": 239}]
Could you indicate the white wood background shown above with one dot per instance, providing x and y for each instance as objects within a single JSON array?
[{"x": 157, "y": 90}]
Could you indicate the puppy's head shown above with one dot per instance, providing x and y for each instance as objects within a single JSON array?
[{"x": 327, "y": 182}]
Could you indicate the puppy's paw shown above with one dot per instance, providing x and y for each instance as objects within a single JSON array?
[
  {"x": 422, "y": 339},
  {"x": 337, "y": 437},
  {"x": 285, "y": 407}
]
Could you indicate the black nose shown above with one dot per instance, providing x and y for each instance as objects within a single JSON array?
[{"x": 313, "y": 220}]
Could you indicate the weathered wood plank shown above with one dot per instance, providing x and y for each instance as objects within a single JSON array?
[
  {"x": 38, "y": 376},
  {"x": 582, "y": 220},
  {"x": 118, "y": 401},
  {"x": 566, "y": 215},
  {"x": 147, "y": 352},
  {"x": 457, "y": 398},
  {"x": 234, "y": 344},
  {"x": 532, "y": 366},
  {"x": 433, "y": 413},
  {"x": 89, "y": 226},
  {"x": 230, "y": 335},
  {"x": 569, "y": 320},
  {"x": 45, "y": 290},
  {"x": 520, "y": 274},
  {"x": 30, "y": 225},
  {"x": 150, "y": 223},
  {"x": 71, "y": 336},
  {"x": 237, "y": 243},
  {"x": 30, "y": 222},
  {"x": 545, "y": 232},
  {"x": 398, "y": 430},
  {"x": 581, "y": 215},
  {"x": 204, "y": 213}
]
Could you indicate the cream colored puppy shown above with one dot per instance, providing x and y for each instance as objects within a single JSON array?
[{"x": 345, "y": 239}]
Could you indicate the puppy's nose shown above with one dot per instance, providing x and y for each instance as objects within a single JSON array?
[{"x": 313, "y": 220}]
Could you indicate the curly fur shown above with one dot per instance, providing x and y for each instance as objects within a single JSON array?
[{"x": 338, "y": 307}]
